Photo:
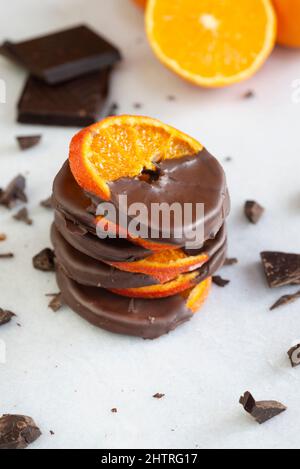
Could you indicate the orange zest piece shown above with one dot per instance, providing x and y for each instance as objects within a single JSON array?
[
  {"x": 124, "y": 146},
  {"x": 165, "y": 265},
  {"x": 288, "y": 14},
  {"x": 178, "y": 285},
  {"x": 198, "y": 295},
  {"x": 212, "y": 43}
]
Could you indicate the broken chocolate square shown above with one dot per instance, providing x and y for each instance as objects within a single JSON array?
[
  {"x": 15, "y": 191},
  {"x": 5, "y": 316},
  {"x": 220, "y": 282},
  {"x": 56, "y": 303},
  {"x": 63, "y": 55},
  {"x": 44, "y": 260},
  {"x": 77, "y": 103},
  {"x": 294, "y": 356},
  {"x": 17, "y": 431},
  {"x": 281, "y": 268},
  {"x": 285, "y": 300},
  {"x": 261, "y": 411},
  {"x": 253, "y": 211},
  {"x": 28, "y": 141},
  {"x": 23, "y": 216}
]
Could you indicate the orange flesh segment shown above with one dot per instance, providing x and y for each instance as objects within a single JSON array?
[
  {"x": 212, "y": 42},
  {"x": 123, "y": 146}
]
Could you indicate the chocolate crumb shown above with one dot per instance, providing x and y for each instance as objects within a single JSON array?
[
  {"x": 114, "y": 411},
  {"x": 17, "y": 432},
  {"x": 231, "y": 261},
  {"x": 249, "y": 94},
  {"x": 56, "y": 303},
  {"x": 23, "y": 216},
  {"x": 7, "y": 255},
  {"x": 112, "y": 110},
  {"x": 294, "y": 356},
  {"x": 158, "y": 395},
  {"x": 47, "y": 203},
  {"x": 261, "y": 411},
  {"x": 137, "y": 106},
  {"x": 285, "y": 300},
  {"x": 171, "y": 98},
  {"x": 52, "y": 432},
  {"x": 14, "y": 192},
  {"x": 219, "y": 281},
  {"x": 28, "y": 141},
  {"x": 253, "y": 211},
  {"x": 228, "y": 159},
  {"x": 3, "y": 237},
  {"x": 5, "y": 316},
  {"x": 281, "y": 268},
  {"x": 45, "y": 260}
]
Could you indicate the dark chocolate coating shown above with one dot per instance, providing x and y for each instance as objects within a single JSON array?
[
  {"x": 76, "y": 103},
  {"x": 91, "y": 272},
  {"x": 63, "y": 55},
  {"x": 148, "y": 319},
  {"x": 108, "y": 250}
]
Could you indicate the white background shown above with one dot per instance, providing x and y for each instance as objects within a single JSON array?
[{"x": 67, "y": 374}]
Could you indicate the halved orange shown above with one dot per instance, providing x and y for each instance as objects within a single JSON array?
[
  {"x": 288, "y": 14},
  {"x": 164, "y": 265},
  {"x": 124, "y": 146},
  {"x": 212, "y": 43},
  {"x": 181, "y": 283}
]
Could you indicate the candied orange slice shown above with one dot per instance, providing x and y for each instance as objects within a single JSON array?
[
  {"x": 212, "y": 42},
  {"x": 164, "y": 265},
  {"x": 198, "y": 295},
  {"x": 124, "y": 146},
  {"x": 178, "y": 285}
]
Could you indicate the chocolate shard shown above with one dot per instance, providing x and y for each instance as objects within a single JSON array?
[
  {"x": 219, "y": 281},
  {"x": 294, "y": 356},
  {"x": 28, "y": 141},
  {"x": 63, "y": 55},
  {"x": 253, "y": 211},
  {"x": 281, "y": 268},
  {"x": 158, "y": 395},
  {"x": 7, "y": 255},
  {"x": 285, "y": 300},
  {"x": 261, "y": 411},
  {"x": 17, "y": 431},
  {"x": 77, "y": 103},
  {"x": 47, "y": 203},
  {"x": 23, "y": 216},
  {"x": 15, "y": 191},
  {"x": 231, "y": 261},
  {"x": 56, "y": 303},
  {"x": 44, "y": 260},
  {"x": 5, "y": 316}
]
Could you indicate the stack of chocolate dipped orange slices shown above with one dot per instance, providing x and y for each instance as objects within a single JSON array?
[{"x": 139, "y": 229}]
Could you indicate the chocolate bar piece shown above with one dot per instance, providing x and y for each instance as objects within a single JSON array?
[
  {"x": 261, "y": 411},
  {"x": 64, "y": 55},
  {"x": 76, "y": 103},
  {"x": 281, "y": 268}
]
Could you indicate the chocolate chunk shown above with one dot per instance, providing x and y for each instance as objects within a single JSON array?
[
  {"x": 47, "y": 203},
  {"x": 17, "y": 431},
  {"x": 45, "y": 260},
  {"x": 220, "y": 282},
  {"x": 294, "y": 356},
  {"x": 261, "y": 411},
  {"x": 229, "y": 262},
  {"x": 3, "y": 237},
  {"x": 23, "y": 216},
  {"x": 5, "y": 316},
  {"x": 77, "y": 103},
  {"x": 7, "y": 255},
  {"x": 56, "y": 303},
  {"x": 63, "y": 55},
  {"x": 281, "y": 268},
  {"x": 285, "y": 300},
  {"x": 158, "y": 395},
  {"x": 253, "y": 211},
  {"x": 15, "y": 191},
  {"x": 29, "y": 141}
]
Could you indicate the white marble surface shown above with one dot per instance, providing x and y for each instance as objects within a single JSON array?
[{"x": 67, "y": 374}]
